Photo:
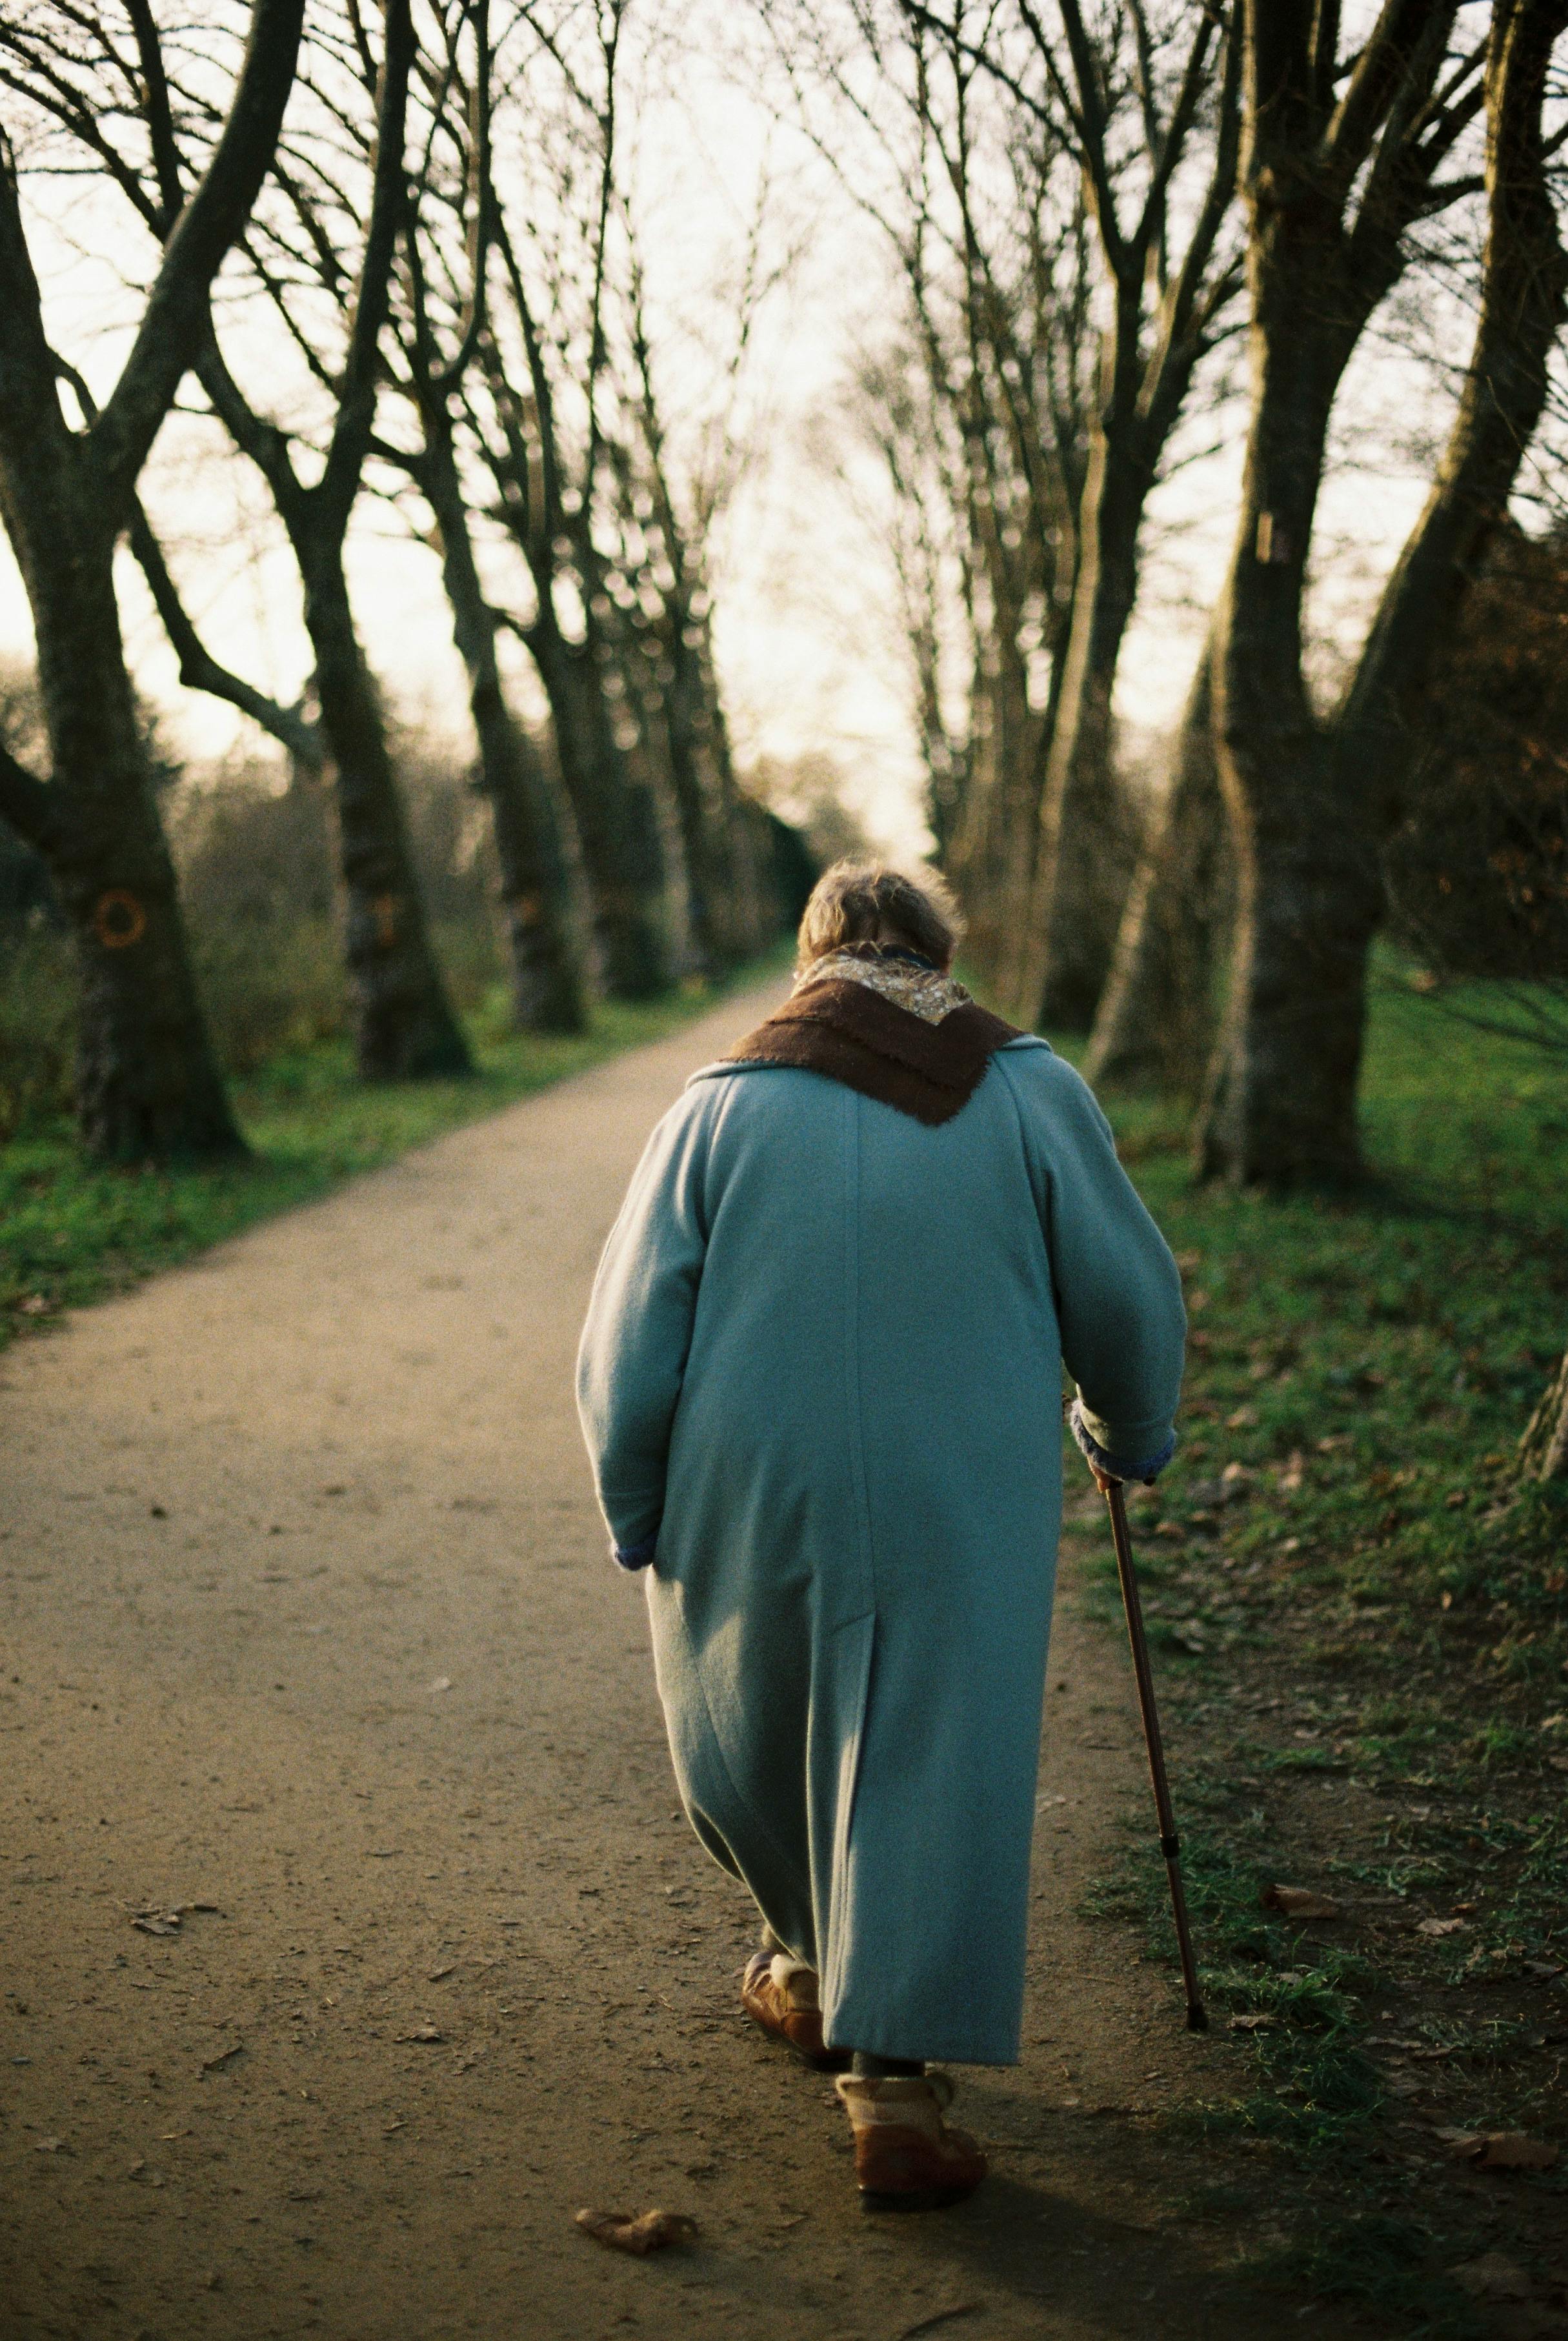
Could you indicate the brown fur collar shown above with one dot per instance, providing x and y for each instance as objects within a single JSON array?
[{"x": 855, "y": 1036}]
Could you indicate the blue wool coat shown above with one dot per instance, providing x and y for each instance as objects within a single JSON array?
[{"x": 821, "y": 1378}]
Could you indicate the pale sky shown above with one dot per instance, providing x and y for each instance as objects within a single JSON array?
[{"x": 806, "y": 625}]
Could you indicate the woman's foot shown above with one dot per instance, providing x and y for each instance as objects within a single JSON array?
[
  {"x": 905, "y": 2157},
  {"x": 781, "y": 1995}
]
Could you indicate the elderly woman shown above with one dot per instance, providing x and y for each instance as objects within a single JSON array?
[{"x": 821, "y": 1385}]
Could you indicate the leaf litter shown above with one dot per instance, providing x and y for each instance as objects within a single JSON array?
[{"x": 1298, "y": 1902}]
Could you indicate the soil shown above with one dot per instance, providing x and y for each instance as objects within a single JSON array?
[{"x": 311, "y": 1638}]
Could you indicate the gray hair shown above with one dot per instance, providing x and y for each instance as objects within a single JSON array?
[{"x": 868, "y": 902}]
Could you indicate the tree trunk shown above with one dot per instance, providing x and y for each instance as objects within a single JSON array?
[
  {"x": 616, "y": 821},
  {"x": 1312, "y": 804},
  {"x": 535, "y": 878},
  {"x": 403, "y": 1025},
  {"x": 147, "y": 1082},
  {"x": 705, "y": 835},
  {"x": 1086, "y": 851},
  {"x": 1276, "y": 1107},
  {"x": 1544, "y": 1450},
  {"x": 1155, "y": 1017}
]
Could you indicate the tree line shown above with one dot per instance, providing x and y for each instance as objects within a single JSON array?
[
  {"x": 1125, "y": 235},
  {"x": 424, "y": 201}
]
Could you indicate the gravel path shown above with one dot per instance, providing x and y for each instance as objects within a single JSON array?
[{"x": 309, "y": 1634}]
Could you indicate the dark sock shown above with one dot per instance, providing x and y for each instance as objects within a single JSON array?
[{"x": 867, "y": 2068}]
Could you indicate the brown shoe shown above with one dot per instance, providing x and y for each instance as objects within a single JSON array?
[
  {"x": 905, "y": 2157},
  {"x": 781, "y": 1995}
]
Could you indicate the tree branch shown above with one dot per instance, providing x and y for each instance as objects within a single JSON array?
[
  {"x": 176, "y": 316},
  {"x": 1524, "y": 296},
  {"x": 355, "y": 417},
  {"x": 31, "y": 806},
  {"x": 32, "y": 425},
  {"x": 199, "y": 671}
]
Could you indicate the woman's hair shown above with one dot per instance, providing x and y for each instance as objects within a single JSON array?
[{"x": 867, "y": 902}]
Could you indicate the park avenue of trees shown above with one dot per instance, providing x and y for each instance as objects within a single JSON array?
[{"x": 1119, "y": 233}]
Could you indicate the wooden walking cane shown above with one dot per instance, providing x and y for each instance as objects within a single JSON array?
[{"x": 1170, "y": 1844}]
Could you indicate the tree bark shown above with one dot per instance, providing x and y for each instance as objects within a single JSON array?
[
  {"x": 403, "y": 1025},
  {"x": 147, "y": 1083},
  {"x": 1154, "y": 1021},
  {"x": 1544, "y": 1450},
  {"x": 535, "y": 877}
]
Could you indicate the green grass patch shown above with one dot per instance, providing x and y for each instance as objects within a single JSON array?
[
  {"x": 1361, "y": 1624},
  {"x": 70, "y": 1231}
]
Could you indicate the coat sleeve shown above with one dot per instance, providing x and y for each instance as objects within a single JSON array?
[
  {"x": 633, "y": 1356},
  {"x": 1117, "y": 1288}
]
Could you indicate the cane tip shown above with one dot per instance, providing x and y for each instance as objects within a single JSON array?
[{"x": 1197, "y": 2019}]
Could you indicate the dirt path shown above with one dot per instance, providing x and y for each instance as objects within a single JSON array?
[{"x": 306, "y": 1615}]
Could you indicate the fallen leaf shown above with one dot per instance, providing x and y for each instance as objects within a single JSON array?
[
  {"x": 1252, "y": 2023},
  {"x": 1516, "y": 2149},
  {"x": 1541, "y": 1970},
  {"x": 442, "y": 1682},
  {"x": 1298, "y": 1902},
  {"x": 52, "y": 2145},
  {"x": 225, "y": 2057},
  {"x": 1440, "y": 1925},
  {"x": 439, "y": 1975},
  {"x": 425, "y": 2032},
  {"x": 1500, "y": 2149},
  {"x": 1492, "y": 2277},
  {"x": 938, "y": 2316},
  {"x": 157, "y": 1922},
  {"x": 649, "y": 2233}
]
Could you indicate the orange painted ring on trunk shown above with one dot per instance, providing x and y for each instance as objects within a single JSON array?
[{"x": 119, "y": 919}]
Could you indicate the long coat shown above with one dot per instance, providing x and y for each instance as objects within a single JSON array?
[{"x": 823, "y": 1367}]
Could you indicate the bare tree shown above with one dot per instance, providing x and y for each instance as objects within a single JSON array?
[
  {"x": 147, "y": 1083},
  {"x": 1060, "y": 217},
  {"x": 404, "y": 1026},
  {"x": 1165, "y": 301},
  {"x": 454, "y": 190},
  {"x": 537, "y": 357},
  {"x": 1343, "y": 157}
]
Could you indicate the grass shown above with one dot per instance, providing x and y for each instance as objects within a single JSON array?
[
  {"x": 1362, "y": 1626},
  {"x": 70, "y": 1231}
]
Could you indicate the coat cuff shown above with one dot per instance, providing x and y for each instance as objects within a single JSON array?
[
  {"x": 1116, "y": 1467},
  {"x": 635, "y": 1556}
]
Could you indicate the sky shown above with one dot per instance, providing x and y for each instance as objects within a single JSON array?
[{"x": 806, "y": 632}]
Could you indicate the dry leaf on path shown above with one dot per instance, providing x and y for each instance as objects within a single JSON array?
[
  {"x": 939, "y": 2316},
  {"x": 1440, "y": 1925},
  {"x": 225, "y": 2057},
  {"x": 1492, "y": 2277},
  {"x": 1255, "y": 2023},
  {"x": 1298, "y": 1902},
  {"x": 1500, "y": 2149},
  {"x": 152, "y": 1919},
  {"x": 426, "y": 2033},
  {"x": 649, "y": 2233}
]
